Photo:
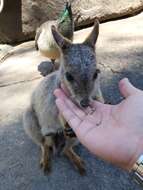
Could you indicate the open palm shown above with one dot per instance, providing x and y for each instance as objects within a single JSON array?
[{"x": 112, "y": 132}]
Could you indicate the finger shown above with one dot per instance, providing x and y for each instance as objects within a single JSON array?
[
  {"x": 96, "y": 104},
  {"x": 72, "y": 119},
  {"x": 60, "y": 94},
  {"x": 126, "y": 88},
  {"x": 65, "y": 90}
]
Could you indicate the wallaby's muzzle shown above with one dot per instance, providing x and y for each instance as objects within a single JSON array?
[{"x": 85, "y": 102}]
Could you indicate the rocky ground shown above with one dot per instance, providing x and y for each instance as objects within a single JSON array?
[{"x": 120, "y": 54}]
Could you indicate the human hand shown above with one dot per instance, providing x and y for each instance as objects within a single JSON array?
[{"x": 112, "y": 132}]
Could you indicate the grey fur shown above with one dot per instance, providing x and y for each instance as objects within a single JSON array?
[{"x": 42, "y": 117}]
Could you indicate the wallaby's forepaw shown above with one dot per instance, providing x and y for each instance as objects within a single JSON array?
[{"x": 69, "y": 132}]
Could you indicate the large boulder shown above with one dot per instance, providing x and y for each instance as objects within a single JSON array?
[
  {"x": 18, "y": 20},
  {"x": 105, "y": 10}
]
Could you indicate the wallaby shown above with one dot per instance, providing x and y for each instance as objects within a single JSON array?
[{"x": 79, "y": 73}]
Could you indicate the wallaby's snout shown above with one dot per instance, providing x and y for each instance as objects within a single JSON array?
[{"x": 84, "y": 102}]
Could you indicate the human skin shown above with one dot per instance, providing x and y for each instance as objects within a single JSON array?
[{"x": 111, "y": 132}]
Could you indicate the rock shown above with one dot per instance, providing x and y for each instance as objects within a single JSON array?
[
  {"x": 1, "y": 5},
  {"x": 20, "y": 19},
  {"x": 7, "y": 50},
  {"x": 5, "y": 47},
  {"x": 11, "y": 22},
  {"x": 105, "y": 10}
]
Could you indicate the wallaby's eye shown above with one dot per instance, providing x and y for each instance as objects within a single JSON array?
[
  {"x": 69, "y": 77},
  {"x": 96, "y": 74}
]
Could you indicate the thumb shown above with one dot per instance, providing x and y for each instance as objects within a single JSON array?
[{"x": 126, "y": 88}]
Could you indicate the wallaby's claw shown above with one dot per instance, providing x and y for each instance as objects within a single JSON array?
[
  {"x": 45, "y": 166},
  {"x": 60, "y": 131}
]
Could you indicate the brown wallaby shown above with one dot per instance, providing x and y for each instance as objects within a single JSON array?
[{"x": 79, "y": 73}]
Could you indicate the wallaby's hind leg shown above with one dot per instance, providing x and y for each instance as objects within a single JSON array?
[
  {"x": 75, "y": 159},
  {"x": 47, "y": 152},
  {"x": 33, "y": 130},
  {"x": 70, "y": 153}
]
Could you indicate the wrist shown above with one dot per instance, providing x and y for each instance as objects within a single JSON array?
[
  {"x": 138, "y": 170},
  {"x": 137, "y": 154}
]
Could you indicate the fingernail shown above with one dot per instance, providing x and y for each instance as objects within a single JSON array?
[
  {"x": 65, "y": 90},
  {"x": 123, "y": 81},
  {"x": 126, "y": 79},
  {"x": 56, "y": 92},
  {"x": 58, "y": 101}
]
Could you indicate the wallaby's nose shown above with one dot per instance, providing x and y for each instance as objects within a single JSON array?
[{"x": 84, "y": 102}]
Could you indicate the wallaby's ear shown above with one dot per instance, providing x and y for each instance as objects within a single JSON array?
[
  {"x": 92, "y": 38},
  {"x": 62, "y": 42}
]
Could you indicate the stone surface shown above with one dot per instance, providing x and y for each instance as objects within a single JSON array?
[
  {"x": 88, "y": 10},
  {"x": 120, "y": 52},
  {"x": 20, "y": 19},
  {"x": 11, "y": 22},
  {"x": 4, "y": 48}
]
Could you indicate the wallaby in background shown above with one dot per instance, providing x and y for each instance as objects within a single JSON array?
[{"x": 79, "y": 73}]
